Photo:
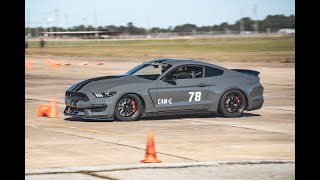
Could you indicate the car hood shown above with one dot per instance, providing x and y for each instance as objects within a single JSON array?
[{"x": 105, "y": 82}]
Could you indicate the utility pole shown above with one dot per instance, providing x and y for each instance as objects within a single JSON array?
[
  {"x": 44, "y": 22},
  {"x": 50, "y": 23},
  {"x": 241, "y": 21},
  {"x": 95, "y": 23},
  {"x": 28, "y": 23},
  {"x": 45, "y": 29},
  {"x": 255, "y": 15},
  {"x": 95, "y": 17},
  {"x": 83, "y": 22},
  {"x": 56, "y": 17},
  {"x": 56, "y": 22},
  {"x": 66, "y": 16},
  {"x": 37, "y": 33},
  {"x": 147, "y": 28}
]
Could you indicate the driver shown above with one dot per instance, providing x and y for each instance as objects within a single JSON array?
[
  {"x": 164, "y": 68},
  {"x": 181, "y": 73}
]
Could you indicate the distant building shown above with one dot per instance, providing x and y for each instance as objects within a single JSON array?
[
  {"x": 286, "y": 31},
  {"x": 82, "y": 34},
  {"x": 246, "y": 32}
]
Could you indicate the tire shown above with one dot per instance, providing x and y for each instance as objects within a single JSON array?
[
  {"x": 125, "y": 110},
  {"x": 232, "y": 103}
]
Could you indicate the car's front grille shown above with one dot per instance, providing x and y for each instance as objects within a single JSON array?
[
  {"x": 77, "y": 109},
  {"x": 77, "y": 96},
  {"x": 100, "y": 109}
]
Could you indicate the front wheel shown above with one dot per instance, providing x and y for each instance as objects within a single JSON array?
[
  {"x": 232, "y": 103},
  {"x": 128, "y": 108}
]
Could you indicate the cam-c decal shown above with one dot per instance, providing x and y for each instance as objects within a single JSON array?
[{"x": 164, "y": 101}]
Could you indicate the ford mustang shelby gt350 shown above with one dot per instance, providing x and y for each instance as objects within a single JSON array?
[{"x": 166, "y": 86}]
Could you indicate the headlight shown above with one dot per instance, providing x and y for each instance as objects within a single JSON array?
[{"x": 104, "y": 94}]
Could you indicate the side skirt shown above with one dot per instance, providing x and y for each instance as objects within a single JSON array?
[{"x": 177, "y": 112}]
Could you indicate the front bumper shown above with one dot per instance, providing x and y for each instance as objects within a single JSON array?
[
  {"x": 87, "y": 113},
  {"x": 89, "y": 108}
]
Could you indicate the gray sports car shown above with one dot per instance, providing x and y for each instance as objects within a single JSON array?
[{"x": 166, "y": 86}]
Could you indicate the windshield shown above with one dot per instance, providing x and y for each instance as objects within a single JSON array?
[{"x": 149, "y": 70}]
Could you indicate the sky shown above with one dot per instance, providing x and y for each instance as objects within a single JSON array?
[{"x": 149, "y": 13}]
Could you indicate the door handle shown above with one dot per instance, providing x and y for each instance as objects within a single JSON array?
[{"x": 204, "y": 85}]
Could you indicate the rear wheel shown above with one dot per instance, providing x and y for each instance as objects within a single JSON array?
[
  {"x": 128, "y": 108},
  {"x": 232, "y": 103}
]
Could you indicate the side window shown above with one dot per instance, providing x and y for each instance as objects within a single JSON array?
[
  {"x": 186, "y": 72},
  {"x": 211, "y": 72}
]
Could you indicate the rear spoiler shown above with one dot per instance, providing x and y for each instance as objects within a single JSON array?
[{"x": 248, "y": 72}]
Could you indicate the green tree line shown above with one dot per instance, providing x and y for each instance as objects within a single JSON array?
[{"x": 271, "y": 23}]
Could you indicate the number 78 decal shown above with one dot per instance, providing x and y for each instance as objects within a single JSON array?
[{"x": 197, "y": 96}]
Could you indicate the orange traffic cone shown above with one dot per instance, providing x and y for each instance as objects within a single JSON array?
[
  {"x": 29, "y": 65},
  {"x": 67, "y": 64},
  {"x": 43, "y": 110},
  {"x": 53, "y": 108},
  {"x": 49, "y": 62},
  {"x": 84, "y": 63},
  {"x": 151, "y": 156},
  {"x": 54, "y": 66},
  {"x": 58, "y": 63}
]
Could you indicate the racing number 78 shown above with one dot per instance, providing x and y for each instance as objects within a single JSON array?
[{"x": 197, "y": 96}]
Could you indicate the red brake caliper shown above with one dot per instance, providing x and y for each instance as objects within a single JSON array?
[
  {"x": 238, "y": 100},
  {"x": 134, "y": 107}
]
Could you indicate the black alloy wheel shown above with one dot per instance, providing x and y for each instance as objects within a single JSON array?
[
  {"x": 232, "y": 103},
  {"x": 128, "y": 108}
]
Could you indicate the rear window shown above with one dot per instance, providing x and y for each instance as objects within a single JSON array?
[{"x": 211, "y": 71}]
